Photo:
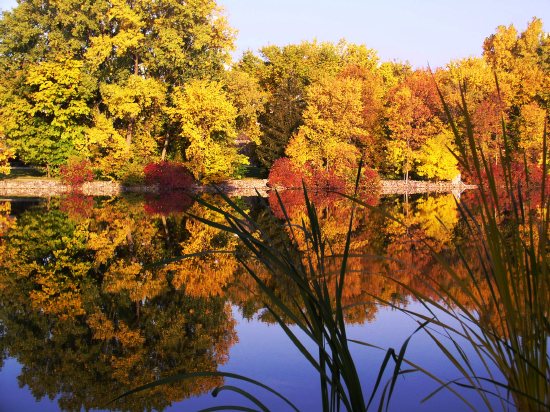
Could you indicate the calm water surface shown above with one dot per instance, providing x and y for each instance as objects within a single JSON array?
[{"x": 87, "y": 312}]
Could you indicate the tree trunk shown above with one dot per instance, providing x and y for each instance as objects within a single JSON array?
[
  {"x": 164, "y": 149},
  {"x": 136, "y": 64},
  {"x": 130, "y": 133}
]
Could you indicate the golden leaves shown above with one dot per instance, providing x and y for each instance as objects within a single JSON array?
[
  {"x": 207, "y": 120},
  {"x": 333, "y": 119},
  {"x": 6, "y": 153},
  {"x": 436, "y": 159}
]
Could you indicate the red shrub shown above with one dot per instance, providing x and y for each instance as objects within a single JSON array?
[
  {"x": 369, "y": 184},
  {"x": 76, "y": 172},
  {"x": 325, "y": 180},
  {"x": 284, "y": 173},
  {"x": 168, "y": 175}
]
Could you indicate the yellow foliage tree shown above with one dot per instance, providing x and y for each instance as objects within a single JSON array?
[
  {"x": 412, "y": 119},
  {"x": 520, "y": 61},
  {"x": 405, "y": 131},
  {"x": 107, "y": 147},
  {"x": 333, "y": 120},
  {"x": 249, "y": 99},
  {"x": 532, "y": 130},
  {"x": 207, "y": 121},
  {"x": 5, "y": 155},
  {"x": 435, "y": 158},
  {"x": 135, "y": 101}
]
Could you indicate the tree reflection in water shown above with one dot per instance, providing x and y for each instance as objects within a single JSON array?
[
  {"x": 88, "y": 313},
  {"x": 87, "y": 322}
]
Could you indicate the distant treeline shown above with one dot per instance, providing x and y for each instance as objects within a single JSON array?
[{"x": 125, "y": 84}]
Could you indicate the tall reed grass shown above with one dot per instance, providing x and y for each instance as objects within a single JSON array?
[
  {"x": 504, "y": 325},
  {"x": 317, "y": 311},
  {"x": 510, "y": 277}
]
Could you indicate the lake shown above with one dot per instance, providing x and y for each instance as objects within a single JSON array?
[{"x": 95, "y": 301}]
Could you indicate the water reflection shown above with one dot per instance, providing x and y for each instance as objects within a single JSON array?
[
  {"x": 87, "y": 311},
  {"x": 86, "y": 322}
]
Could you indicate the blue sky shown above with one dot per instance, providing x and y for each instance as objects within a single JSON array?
[{"x": 419, "y": 31}]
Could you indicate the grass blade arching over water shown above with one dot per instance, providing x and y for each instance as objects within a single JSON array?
[
  {"x": 504, "y": 275},
  {"x": 505, "y": 324},
  {"x": 305, "y": 260}
]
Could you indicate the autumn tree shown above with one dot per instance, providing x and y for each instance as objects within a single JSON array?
[
  {"x": 6, "y": 153},
  {"x": 412, "y": 117},
  {"x": 284, "y": 73},
  {"x": 436, "y": 158},
  {"x": 486, "y": 105},
  {"x": 375, "y": 82},
  {"x": 520, "y": 63},
  {"x": 244, "y": 91},
  {"x": 207, "y": 122},
  {"x": 508, "y": 84},
  {"x": 332, "y": 122},
  {"x": 95, "y": 77}
]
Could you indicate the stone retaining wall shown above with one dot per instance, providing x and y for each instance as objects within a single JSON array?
[
  {"x": 244, "y": 187},
  {"x": 47, "y": 187},
  {"x": 400, "y": 187},
  {"x": 32, "y": 188}
]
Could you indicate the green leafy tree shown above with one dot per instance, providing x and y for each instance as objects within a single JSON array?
[
  {"x": 51, "y": 115},
  {"x": 84, "y": 76}
]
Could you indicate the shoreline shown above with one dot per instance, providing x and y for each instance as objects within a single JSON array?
[{"x": 244, "y": 187}]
